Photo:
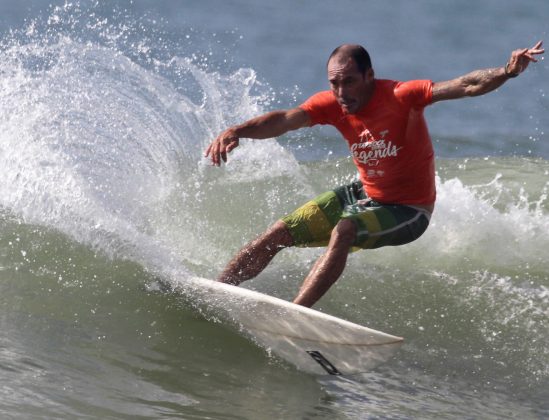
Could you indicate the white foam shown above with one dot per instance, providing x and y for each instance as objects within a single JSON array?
[{"x": 102, "y": 149}]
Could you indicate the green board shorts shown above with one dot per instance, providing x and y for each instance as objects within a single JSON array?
[{"x": 377, "y": 224}]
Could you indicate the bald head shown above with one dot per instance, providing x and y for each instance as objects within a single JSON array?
[{"x": 356, "y": 52}]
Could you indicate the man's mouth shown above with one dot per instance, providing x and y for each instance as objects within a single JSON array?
[{"x": 347, "y": 104}]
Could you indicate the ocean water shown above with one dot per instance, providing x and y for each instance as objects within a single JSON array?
[{"x": 105, "y": 198}]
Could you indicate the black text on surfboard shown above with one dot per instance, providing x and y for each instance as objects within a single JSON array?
[{"x": 325, "y": 363}]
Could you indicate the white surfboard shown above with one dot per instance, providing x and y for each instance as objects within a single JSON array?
[{"x": 313, "y": 341}]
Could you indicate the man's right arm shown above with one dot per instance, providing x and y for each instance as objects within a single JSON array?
[{"x": 271, "y": 124}]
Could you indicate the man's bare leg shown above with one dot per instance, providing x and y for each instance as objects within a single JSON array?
[
  {"x": 255, "y": 256},
  {"x": 329, "y": 266}
]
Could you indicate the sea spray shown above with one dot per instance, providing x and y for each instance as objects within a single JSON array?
[{"x": 100, "y": 144}]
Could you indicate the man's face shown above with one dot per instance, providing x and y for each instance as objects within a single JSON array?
[{"x": 351, "y": 88}]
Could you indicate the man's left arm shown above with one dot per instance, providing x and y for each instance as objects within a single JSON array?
[{"x": 480, "y": 82}]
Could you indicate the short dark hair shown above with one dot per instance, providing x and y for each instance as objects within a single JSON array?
[{"x": 358, "y": 53}]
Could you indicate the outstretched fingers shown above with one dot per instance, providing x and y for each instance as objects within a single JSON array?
[
  {"x": 208, "y": 150},
  {"x": 530, "y": 53},
  {"x": 213, "y": 152},
  {"x": 538, "y": 46},
  {"x": 218, "y": 149},
  {"x": 521, "y": 58}
]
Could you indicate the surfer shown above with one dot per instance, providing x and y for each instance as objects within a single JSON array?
[{"x": 383, "y": 124}]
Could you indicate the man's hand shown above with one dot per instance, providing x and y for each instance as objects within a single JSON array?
[
  {"x": 521, "y": 58},
  {"x": 223, "y": 144}
]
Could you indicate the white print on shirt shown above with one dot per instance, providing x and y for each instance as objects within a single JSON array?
[{"x": 371, "y": 150}]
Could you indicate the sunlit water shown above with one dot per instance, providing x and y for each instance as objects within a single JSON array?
[{"x": 105, "y": 199}]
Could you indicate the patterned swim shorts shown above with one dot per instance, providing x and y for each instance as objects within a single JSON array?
[{"x": 377, "y": 224}]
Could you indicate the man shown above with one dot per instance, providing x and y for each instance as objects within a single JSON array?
[{"x": 382, "y": 122}]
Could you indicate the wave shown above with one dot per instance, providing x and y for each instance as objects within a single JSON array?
[
  {"x": 105, "y": 148},
  {"x": 94, "y": 144}
]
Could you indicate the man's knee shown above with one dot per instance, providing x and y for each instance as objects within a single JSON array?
[
  {"x": 345, "y": 232},
  {"x": 278, "y": 235}
]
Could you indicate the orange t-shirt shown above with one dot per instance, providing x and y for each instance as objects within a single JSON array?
[{"x": 388, "y": 138}]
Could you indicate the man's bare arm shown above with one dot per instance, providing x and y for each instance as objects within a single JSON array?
[
  {"x": 271, "y": 124},
  {"x": 480, "y": 82}
]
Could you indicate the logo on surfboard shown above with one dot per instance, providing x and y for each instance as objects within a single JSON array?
[{"x": 325, "y": 363}]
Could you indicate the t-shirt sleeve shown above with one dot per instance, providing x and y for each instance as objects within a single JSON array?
[
  {"x": 321, "y": 107},
  {"x": 415, "y": 93}
]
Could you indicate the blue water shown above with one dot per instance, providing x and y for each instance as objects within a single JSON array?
[{"x": 105, "y": 110}]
